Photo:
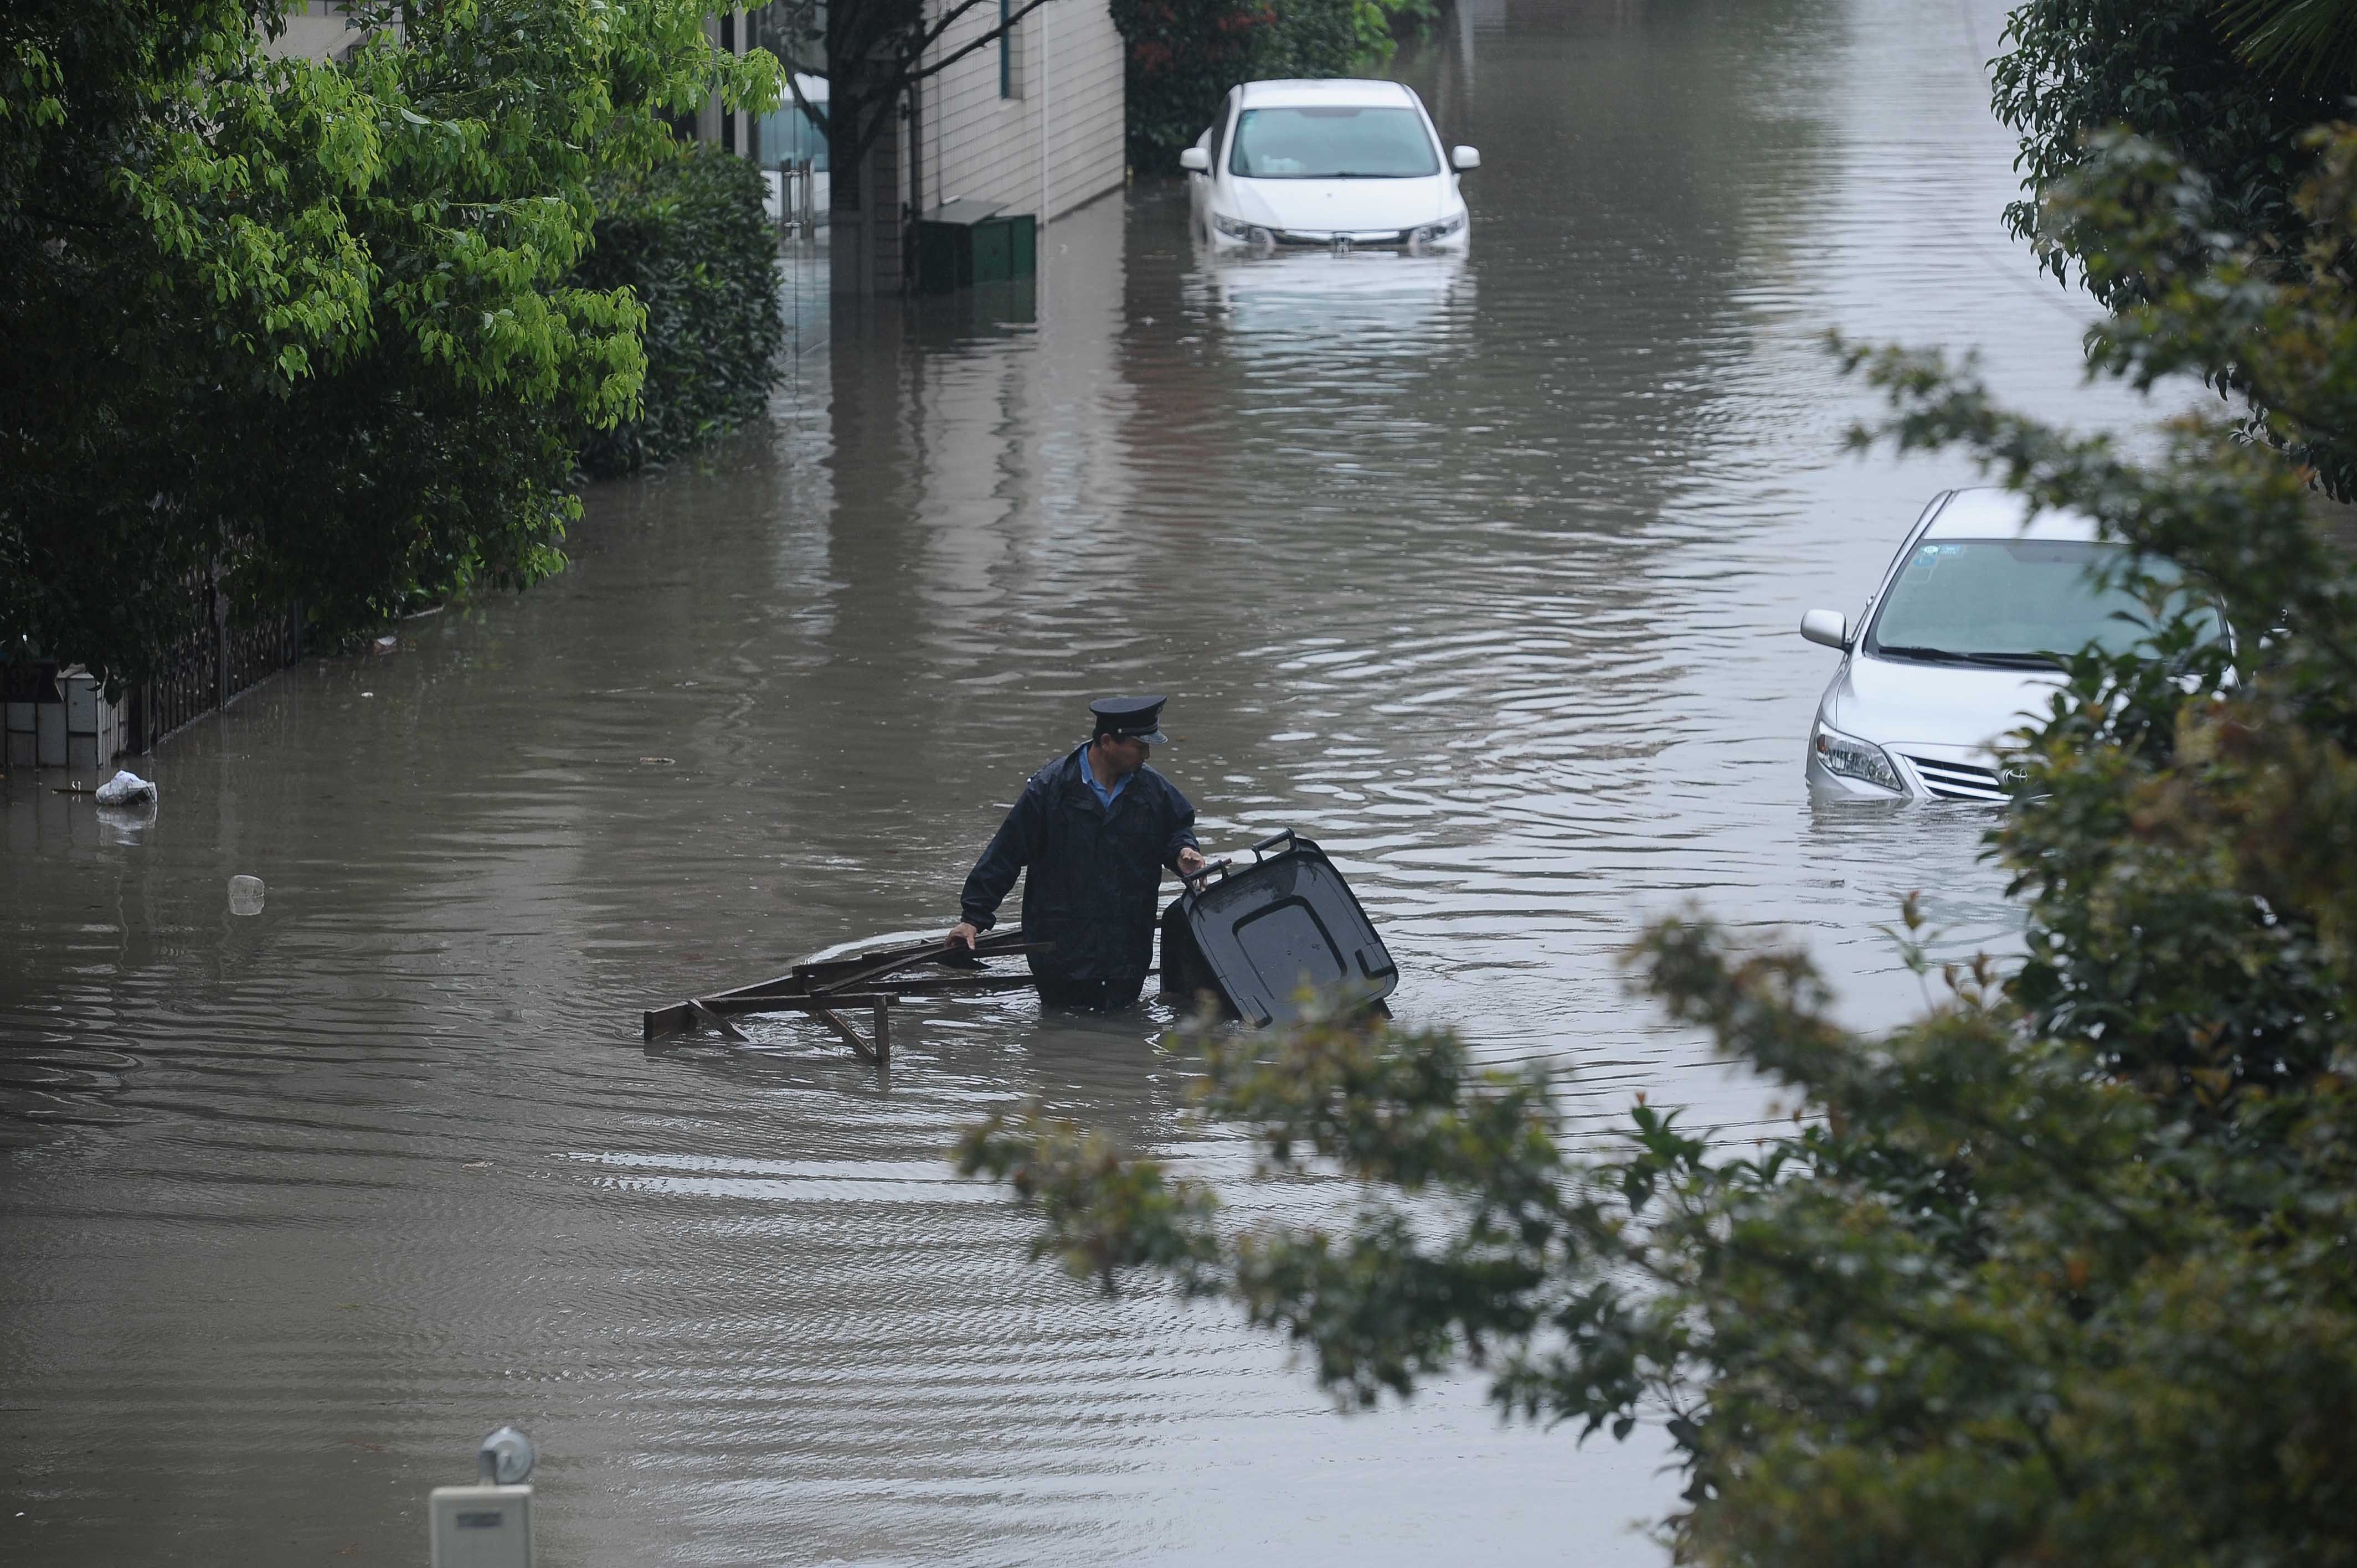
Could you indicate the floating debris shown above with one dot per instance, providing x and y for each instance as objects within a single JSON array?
[
  {"x": 245, "y": 895},
  {"x": 126, "y": 789}
]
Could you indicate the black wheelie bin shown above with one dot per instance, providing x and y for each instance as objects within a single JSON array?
[{"x": 1252, "y": 938}]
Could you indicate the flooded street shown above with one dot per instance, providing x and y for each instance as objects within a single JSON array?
[{"x": 1484, "y": 573}]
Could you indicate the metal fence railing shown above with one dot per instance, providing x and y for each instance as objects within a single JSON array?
[
  {"x": 231, "y": 651},
  {"x": 60, "y": 717}
]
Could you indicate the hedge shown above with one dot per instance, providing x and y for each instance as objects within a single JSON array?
[{"x": 689, "y": 239}]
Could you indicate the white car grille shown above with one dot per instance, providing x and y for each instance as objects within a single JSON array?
[
  {"x": 1374, "y": 236},
  {"x": 1956, "y": 781}
]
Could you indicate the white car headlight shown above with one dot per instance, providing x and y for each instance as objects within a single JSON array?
[
  {"x": 1233, "y": 228},
  {"x": 1440, "y": 231},
  {"x": 1851, "y": 757}
]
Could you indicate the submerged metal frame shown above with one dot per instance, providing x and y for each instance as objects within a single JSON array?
[{"x": 831, "y": 988}]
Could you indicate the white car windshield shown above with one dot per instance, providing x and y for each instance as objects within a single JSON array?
[
  {"x": 1332, "y": 142},
  {"x": 2012, "y": 601}
]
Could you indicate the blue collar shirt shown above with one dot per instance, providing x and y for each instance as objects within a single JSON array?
[{"x": 1106, "y": 797}]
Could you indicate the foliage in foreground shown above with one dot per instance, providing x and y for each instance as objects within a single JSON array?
[
  {"x": 2065, "y": 1270},
  {"x": 2231, "y": 88},
  {"x": 687, "y": 238},
  {"x": 310, "y": 325},
  {"x": 2169, "y": 70}
]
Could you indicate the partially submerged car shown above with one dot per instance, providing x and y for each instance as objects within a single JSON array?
[
  {"x": 1336, "y": 164},
  {"x": 1957, "y": 647}
]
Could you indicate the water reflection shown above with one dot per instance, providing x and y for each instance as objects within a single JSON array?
[{"x": 1326, "y": 314}]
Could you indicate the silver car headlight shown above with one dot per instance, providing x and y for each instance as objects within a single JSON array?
[
  {"x": 1233, "y": 228},
  {"x": 1440, "y": 231},
  {"x": 1851, "y": 757}
]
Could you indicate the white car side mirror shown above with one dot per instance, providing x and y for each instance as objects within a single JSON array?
[
  {"x": 1195, "y": 160},
  {"x": 1463, "y": 158},
  {"x": 1830, "y": 627}
]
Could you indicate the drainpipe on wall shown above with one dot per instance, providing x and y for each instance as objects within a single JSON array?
[
  {"x": 1047, "y": 169},
  {"x": 729, "y": 45},
  {"x": 916, "y": 215}
]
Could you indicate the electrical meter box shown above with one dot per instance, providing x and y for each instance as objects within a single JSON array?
[
  {"x": 481, "y": 1526},
  {"x": 962, "y": 243}
]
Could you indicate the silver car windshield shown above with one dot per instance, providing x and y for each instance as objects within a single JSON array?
[
  {"x": 2011, "y": 601},
  {"x": 1332, "y": 142}
]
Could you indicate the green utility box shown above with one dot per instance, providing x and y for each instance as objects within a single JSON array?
[{"x": 961, "y": 243}]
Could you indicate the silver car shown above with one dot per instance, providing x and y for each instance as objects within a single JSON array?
[{"x": 1954, "y": 647}]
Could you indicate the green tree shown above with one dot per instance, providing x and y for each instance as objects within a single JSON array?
[
  {"x": 2231, "y": 88},
  {"x": 2061, "y": 1270},
  {"x": 2304, "y": 41},
  {"x": 1182, "y": 56},
  {"x": 2167, "y": 70},
  {"x": 311, "y": 327}
]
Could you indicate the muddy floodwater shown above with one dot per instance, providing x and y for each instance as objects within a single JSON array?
[{"x": 1483, "y": 573}]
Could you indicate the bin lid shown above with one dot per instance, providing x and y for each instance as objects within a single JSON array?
[
  {"x": 964, "y": 212},
  {"x": 1288, "y": 920}
]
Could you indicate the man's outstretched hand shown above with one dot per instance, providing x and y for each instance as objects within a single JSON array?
[{"x": 1190, "y": 861}]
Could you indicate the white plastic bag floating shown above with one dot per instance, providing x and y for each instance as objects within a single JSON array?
[
  {"x": 126, "y": 789},
  {"x": 245, "y": 895}
]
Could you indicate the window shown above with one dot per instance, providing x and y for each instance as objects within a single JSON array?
[
  {"x": 2013, "y": 601},
  {"x": 1010, "y": 52},
  {"x": 1333, "y": 142}
]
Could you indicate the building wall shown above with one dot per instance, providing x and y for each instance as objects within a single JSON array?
[
  {"x": 980, "y": 145},
  {"x": 714, "y": 123},
  {"x": 316, "y": 30}
]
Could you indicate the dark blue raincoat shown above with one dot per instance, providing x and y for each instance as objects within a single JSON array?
[{"x": 1092, "y": 874}]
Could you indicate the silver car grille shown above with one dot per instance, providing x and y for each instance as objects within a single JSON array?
[{"x": 1956, "y": 781}]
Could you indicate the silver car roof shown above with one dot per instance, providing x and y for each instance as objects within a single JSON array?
[{"x": 1987, "y": 512}]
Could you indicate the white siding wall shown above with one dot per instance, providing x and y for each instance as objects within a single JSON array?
[
  {"x": 316, "y": 30},
  {"x": 980, "y": 145}
]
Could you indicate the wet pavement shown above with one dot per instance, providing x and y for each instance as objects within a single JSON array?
[{"x": 1485, "y": 574}]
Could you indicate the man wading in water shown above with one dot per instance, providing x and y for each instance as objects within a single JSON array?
[{"x": 1093, "y": 829}]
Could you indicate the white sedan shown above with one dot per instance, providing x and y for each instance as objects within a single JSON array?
[{"x": 1339, "y": 165}]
